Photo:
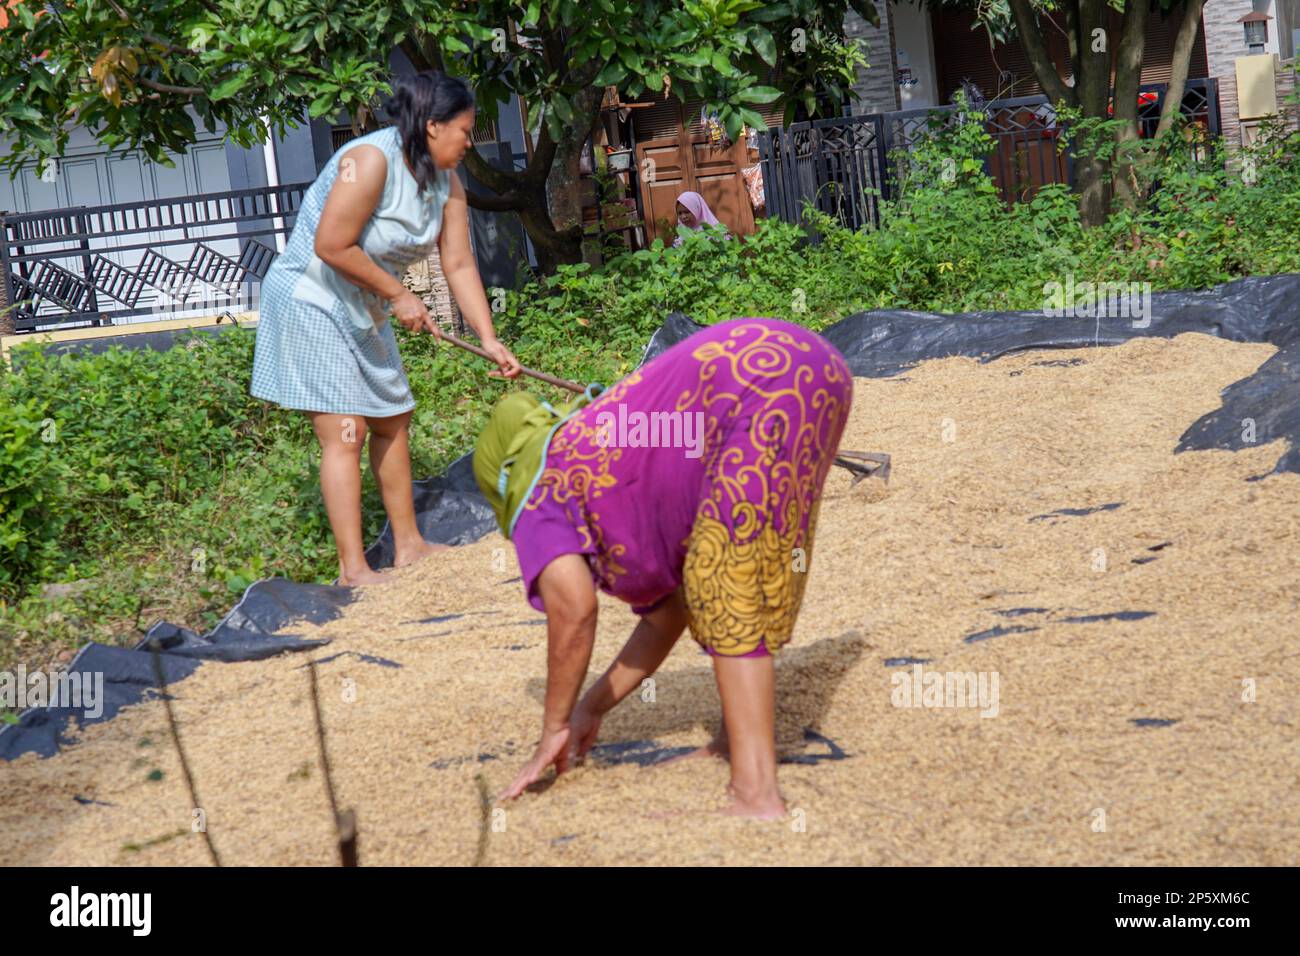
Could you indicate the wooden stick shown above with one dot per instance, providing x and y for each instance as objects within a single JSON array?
[
  {"x": 180, "y": 751},
  {"x": 485, "y": 813},
  {"x": 541, "y": 376},
  {"x": 345, "y": 824}
]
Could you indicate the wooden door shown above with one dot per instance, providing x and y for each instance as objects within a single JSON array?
[{"x": 671, "y": 165}]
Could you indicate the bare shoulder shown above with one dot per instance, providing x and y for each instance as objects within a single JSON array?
[{"x": 363, "y": 163}]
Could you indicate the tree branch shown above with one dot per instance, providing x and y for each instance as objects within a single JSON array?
[
  {"x": 1039, "y": 58},
  {"x": 1128, "y": 63},
  {"x": 151, "y": 38},
  {"x": 506, "y": 202},
  {"x": 1092, "y": 83},
  {"x": 1183, "y": 44},
  {"x": 498, "y": 180},
  {"x": 1128, "y": 81},
  {"x": 1072, "y": 35},
  {"x": 415, "y": 54},
  {"x": 168, "y": 88}
]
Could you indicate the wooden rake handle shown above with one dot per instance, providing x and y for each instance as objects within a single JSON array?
[{"x": 540, "y": 376}]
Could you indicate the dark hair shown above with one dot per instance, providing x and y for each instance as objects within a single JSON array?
[{"x": 417, "y": 100}]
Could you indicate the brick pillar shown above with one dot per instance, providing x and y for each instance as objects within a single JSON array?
[
  {"x": 1286, "y": 87},
  {"x": 877, "y": 85},
  {"x": 1224, "y": 43},
  {"x": 426, "y": 280}
]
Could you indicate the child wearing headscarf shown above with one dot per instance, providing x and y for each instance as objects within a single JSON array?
[{"x": 692, "y": 213}]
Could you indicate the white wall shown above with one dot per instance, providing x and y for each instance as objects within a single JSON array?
[
  {"x": 89, "y": 175},
  {"x": 915, "y": 48}
]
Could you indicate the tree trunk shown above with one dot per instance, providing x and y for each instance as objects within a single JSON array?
[
  {"x": 1092, "y": 86},
  {"x": 1082, "y": 16},
  {"x": 565, "y": 185},
  {"x": 1128, "y": 79},
  {"x": 1183, "y": 44}
]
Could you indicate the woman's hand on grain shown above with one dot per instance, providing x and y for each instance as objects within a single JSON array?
[{"x": 552, "y": 749}]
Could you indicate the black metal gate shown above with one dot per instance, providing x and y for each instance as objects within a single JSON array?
[
  {"x": 846, "y": 165},
  {"x": 98, "y": 265}
]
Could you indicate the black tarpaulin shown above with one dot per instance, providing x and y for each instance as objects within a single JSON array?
[{"x": 1261, "y": 408}]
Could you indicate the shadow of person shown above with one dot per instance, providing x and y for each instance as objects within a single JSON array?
[{"x": 806, "y": 679}]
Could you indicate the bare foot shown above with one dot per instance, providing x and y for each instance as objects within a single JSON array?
[
  {"x": 717, "y": 747},
  {"x": 362, "y": 577},
  {"x": 767, "y": 806},
  {"x": 405, "y": 555}
]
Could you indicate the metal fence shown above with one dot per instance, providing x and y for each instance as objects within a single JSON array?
[
  {"x": 153, "y": 259},
  {"x": 846, "y": 165}
]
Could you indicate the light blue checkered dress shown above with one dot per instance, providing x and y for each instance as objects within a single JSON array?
[{"x": 323, "y": 343}]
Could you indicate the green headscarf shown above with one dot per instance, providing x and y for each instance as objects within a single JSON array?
[{"x": 511, "y": 451}]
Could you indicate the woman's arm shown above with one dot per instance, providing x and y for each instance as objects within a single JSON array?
[
  {"x": 570, "y": 598},
  {"x": 651, "y": 641},
  {"x": 463, "y": 279},
  {"x": 351, "y": 202}
]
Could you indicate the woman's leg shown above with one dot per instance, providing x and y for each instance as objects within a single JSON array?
[
  {"x": 747, "y": 686},
  {"x": 341, "y": 438},
  {"x": 390, "y": 460}
]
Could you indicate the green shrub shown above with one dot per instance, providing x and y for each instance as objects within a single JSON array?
[{"x": 32, "y": 488}]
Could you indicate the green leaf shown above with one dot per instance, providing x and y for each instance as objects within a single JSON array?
[
  {"x": 760, "y": 94},
  {"x": 613, "y": 72},
  {"x": 563, "y": 109},
  {"x": 322, "y": 104},
  {"x": 8, "y": 86},
  {"x": 733, "y": 123},
  {"x": 867, "y": 11},
  {"x": 694, "y": 58},
  {"x": 630, "y": 59},
  {"x": 25, "y": 112},
  {"x": 763, "y": 45},
  {"x": 771, "y": 12},
  {"x": 230, "y": 87}
]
